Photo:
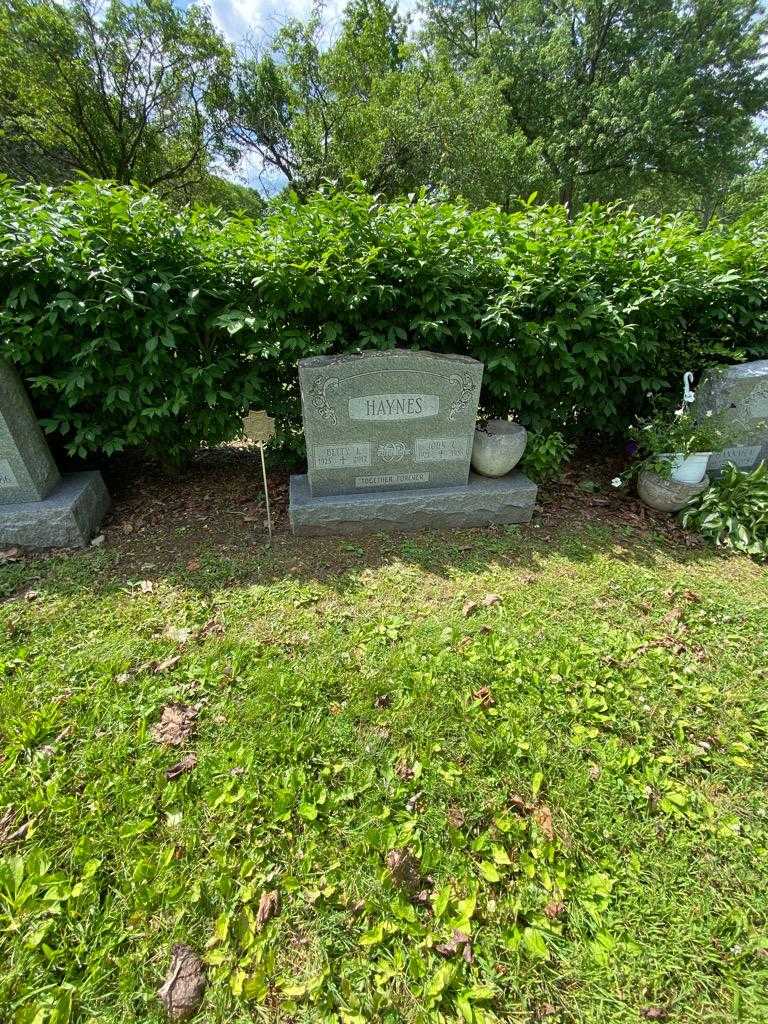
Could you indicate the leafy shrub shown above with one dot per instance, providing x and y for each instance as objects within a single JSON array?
[
  {"x": 138, "y": 326},
  {"x": 545, "y": 456},
  {"x": 733, "y": 512}
]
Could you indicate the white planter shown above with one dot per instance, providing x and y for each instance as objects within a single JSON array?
[
  {"x": 498, "y": 448},
  {"x": 689, "y": 469}
]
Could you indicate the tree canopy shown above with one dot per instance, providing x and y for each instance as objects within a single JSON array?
[{"x": 656, "y": 102}]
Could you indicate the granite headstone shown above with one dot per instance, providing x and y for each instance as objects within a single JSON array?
[
  {"x": 39, "y": 508},
  {"x": 383, "y": 421},
  {"x": 389, "y": 441},
  {"x": 739, "y": 392}
]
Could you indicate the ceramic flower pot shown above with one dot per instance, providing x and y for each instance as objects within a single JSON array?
[
  {"x": 689, "y": 469},
  {"x": 498, "y": 447},
  {"x": 667, "y": 495}
]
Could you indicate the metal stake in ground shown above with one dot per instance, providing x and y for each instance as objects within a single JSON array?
[{"x": 259, "y": 428}]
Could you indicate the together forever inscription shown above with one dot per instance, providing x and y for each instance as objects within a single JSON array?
[{"x": 407, "y": 416}]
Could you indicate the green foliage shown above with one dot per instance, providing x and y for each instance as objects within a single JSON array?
[
  {"x": 141, "y": 327},
  {"x": 124, "y": 90},
  {"x": 733, "y": 513},
  {"x": 491, "y": 100},
  {"x": 614, "y": 97},
  {"x": 545, "y": 456}
]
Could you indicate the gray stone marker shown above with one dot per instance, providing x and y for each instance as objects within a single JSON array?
[
  {"x": 39, "y": 508},
  {"x": 383, "y": 421},
  {"x": 742, "y": 392},
  {"x": 389, "y": 440}
]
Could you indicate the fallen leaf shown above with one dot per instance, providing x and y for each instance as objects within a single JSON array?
[
  {"x": 178, "y": 634},
  {"x": 404, "y": 869},
  {"x": 543, "y": 818},
  {"x": 212, "y": 628},
  {"x": 167, "y": 664},
  {"x": 176, "y": 725},
  {"x": 186, "y": 764},
  {"x": 484, "y": 697},
  {"x": 554, "y": 909},
  {"x": 182, "y": 991},
  {"x": 382, "y": 701},
  {"x": 404, "y": 772},
  {"x": 459, "y": 942},
  {"x": 470, "y": 607},
  {"x": 193, "y": 564},
  {"x": 31, "y": 595},
  {"x": 520, "y": 804},
  {"x": 146, "y": 586},
  {"x": 692, "y": 596},
  {"x": 654, "y": 1013},
  {"x": 9, "y": 555},
  {"x": 595, "y": 771},
  {"x": 98, "y": 541},
  {"x": 269, "y": 906},
  {"x": 545, "y": 1010},
  {"x": 490, "y": 600},
  {"x": 455, "y": 817},
  {"x": 9, "y": 833},
  {"x": 673, "y": 615}
]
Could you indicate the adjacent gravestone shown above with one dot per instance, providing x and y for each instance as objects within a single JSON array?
[
  {"x": 741, "y": 392},
  {"x": 39, "y": 508},
  {"x": 389, "y": 440}
]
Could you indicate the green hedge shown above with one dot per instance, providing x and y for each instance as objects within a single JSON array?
[{"x": 140, "y": 327}]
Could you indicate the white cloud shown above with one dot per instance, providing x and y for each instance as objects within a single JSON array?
[{"x": 260, "y": 19}]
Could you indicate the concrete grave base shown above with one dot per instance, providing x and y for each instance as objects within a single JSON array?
[
  {"x": 484, "y": 500},
  {"x": 67, "y": 518}
]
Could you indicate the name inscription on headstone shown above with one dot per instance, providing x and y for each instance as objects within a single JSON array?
[
  {"x": 394, "y": 407},
  {"x": 409, "y": 416}
]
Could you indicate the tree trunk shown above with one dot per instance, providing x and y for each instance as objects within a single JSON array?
[{"x": 567, "y": 197}]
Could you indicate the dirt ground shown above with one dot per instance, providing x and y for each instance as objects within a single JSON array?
[{"x": 218, "y": 501}]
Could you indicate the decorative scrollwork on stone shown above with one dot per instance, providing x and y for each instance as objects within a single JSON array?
[
  {"x": 466, "y": 387},
  {"x": 319, "y": 398}
]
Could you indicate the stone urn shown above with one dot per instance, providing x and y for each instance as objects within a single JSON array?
[
  {"x": 498, "y": 447},
  {"x": 667, "y": 495}
]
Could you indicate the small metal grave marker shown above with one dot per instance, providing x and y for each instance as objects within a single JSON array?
[{"x": 260, "y": 428}]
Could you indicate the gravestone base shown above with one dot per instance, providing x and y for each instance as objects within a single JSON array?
[
  {"x": 67, "y": 518},
  {"x": 484, "y": 500}
]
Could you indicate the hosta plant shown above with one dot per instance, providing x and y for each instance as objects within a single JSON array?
[{"x": 733, "y": 513}]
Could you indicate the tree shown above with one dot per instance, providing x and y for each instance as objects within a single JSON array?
[
  {"x": 615, "y": 93},
  {"x": 130, "y": 92},
  {"x": 369, "y": 105}
]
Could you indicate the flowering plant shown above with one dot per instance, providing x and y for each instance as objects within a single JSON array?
[{"x": 662, "y": 436}]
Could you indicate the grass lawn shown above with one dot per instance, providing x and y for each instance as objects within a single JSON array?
[{"x": 550, "y": 806}]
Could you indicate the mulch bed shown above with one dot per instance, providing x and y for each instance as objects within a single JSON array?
[{"x": 217, "y": 502}]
